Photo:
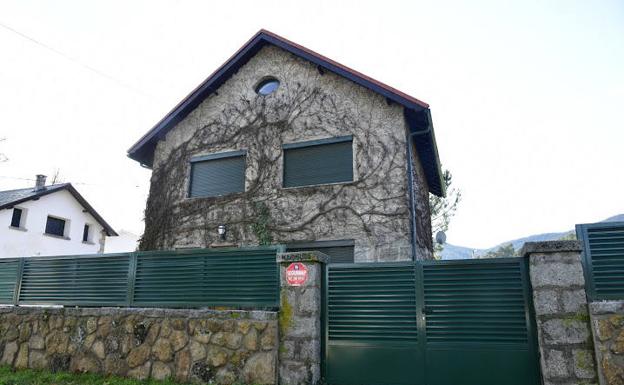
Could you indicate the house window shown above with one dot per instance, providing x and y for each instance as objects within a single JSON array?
[
  {"x": 55, "y": 226},
  {"x": 85, "y": 233},
  {"x": 267, "y": 86},
  {"x": 337, "y": 251},
  {"x": 217, "y": 174},
  {"x": 318, "y": 162},
  {"x": 16, "y": 219}
]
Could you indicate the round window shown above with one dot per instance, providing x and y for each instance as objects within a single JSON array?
[{"x": 267, "y": 86}]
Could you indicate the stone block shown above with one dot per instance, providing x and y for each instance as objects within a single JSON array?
[
  {"x": 268, "y": 340},
  {"x": 603, "y": 328},
  {"x": 310, "y": 301},
  {"x": 584, "y": 364},
  {"x": 260, "y": 369},
  {"x": 305, "y": 327},
  {"x": 574, "y": 301},
  {"x": 250, "y": 341},
  {"x": 21, "y": 361},
  {"x": 37, "y": 360},
  {"x": 556, "y": 365},
  {"x": 10, "y": 349},
  {"x": 561, "y": 275},
  {"x": 37, "y": 342},
  {"x": 162, "y": 350},
  {"x": 287, "y": 350},
  {"x": 160, "y": 370},
  {"x": 293, "y": 373},
  {"x": 565, "y": 331},
  {"x": 546, "y": 302},
  {"x": 310, "y": 350}
]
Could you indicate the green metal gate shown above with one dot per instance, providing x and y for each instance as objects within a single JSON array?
[{"x": 435, "y": 323}]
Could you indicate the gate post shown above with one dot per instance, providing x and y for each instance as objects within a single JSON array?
[
  {"x": 300, "y": 333},
  {"x": 564, "y": 333}
]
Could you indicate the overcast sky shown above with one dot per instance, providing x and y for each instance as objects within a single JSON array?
[{"x": 527, "y": 97}]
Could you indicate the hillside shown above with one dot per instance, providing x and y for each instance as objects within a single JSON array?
[{"x": 460, "y": 252}]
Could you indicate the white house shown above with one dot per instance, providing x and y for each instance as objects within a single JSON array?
[
  {"x": 126, "y": 241},
  {"x": 49, "y": 220}
]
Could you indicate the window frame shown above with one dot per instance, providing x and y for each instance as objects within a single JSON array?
[
  {"x": 313, "y": 143},
  {"x": 215, "y": 156},
  {"x": 264, "y": 82},
  {"x": 88, "y": 227},
  {"x": 65, "y": 227},
  {"x": 22, "y": 221}
]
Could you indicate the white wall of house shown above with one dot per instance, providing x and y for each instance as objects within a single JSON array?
[
  {"x": 125, "y": 242},
  {"x": 30, "y": 239}
]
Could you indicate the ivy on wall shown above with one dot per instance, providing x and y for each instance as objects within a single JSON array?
[{"x": 375, "y": 205}]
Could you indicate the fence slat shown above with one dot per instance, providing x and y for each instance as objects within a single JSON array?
[
  {"x": 189, "y": 278},
  {"x": 603, "y": 259}
]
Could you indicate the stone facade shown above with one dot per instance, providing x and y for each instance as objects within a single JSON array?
[
  {"x": 300, "y": 321},
  {"x": 201, "y": 346},
  {"x": 608, "y": 326},
  {"x": 564, "y": 332},
  {"x": 373, "y": 210}
]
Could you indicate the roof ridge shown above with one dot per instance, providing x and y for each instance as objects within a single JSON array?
[{"x": 33, "y": 187}]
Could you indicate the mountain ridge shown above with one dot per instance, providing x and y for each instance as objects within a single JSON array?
[{"x": 451, "y": 251}]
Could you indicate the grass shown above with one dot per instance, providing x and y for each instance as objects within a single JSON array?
[{"x": 9, "y": 376}]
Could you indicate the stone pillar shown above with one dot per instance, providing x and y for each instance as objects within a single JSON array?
[
  {"x": 300, "y": 320},
  {"x": 563, "y": 327}
]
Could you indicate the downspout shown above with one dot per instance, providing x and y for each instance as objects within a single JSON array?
[{"x": 410, "y": 176}]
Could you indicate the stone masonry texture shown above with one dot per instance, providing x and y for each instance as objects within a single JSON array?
[
  {"x": 300, "y": 321},
  {"x": 562, "y": 316},
  {"x": 373, "y": 210},
  {"x": 199, "y": 346},
  {"x": 608, "y": 326}
]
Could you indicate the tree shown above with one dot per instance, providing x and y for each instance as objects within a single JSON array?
[
  {"x": 443, "y": 208},
  {"x": 506, "y": 250},
  {"x": 571, "y": 236},
  {"x": 57, "y": 178}
]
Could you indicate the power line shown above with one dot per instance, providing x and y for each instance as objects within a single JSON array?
[
  {"x": 67, "y": 57},
  {"x": 78, "y": 183}
]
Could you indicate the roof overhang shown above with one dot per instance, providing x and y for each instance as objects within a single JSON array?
[{"x": 143, "y": 150}]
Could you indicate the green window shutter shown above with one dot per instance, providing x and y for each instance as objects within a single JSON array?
[
  {"x": 219, "y": 174},
  {"x": 318, "y": 162}
]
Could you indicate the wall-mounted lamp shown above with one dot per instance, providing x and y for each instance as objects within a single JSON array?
[{"x": 222, "y": 230}]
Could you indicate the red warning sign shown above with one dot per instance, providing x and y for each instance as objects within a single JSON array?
[{"x": 296, "y": 274}]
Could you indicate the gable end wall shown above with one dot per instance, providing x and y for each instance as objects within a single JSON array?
[{"x": 373, "y": 210}]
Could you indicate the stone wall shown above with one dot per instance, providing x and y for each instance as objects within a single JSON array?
[
  {"x": 564, "y": 333},
  {"x": 200, "y": 346},
  {"x": 608, "y": 326},
  {"x": 300, "y": 321},
  {"x": 373, "y": 209}
]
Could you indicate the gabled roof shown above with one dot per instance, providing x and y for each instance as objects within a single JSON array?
[
  {"x": 11, "y": 198},
  {"x": 417, "y": 112}
]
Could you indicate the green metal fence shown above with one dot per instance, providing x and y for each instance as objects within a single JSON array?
[
  {"x": 603, "y": 259},
  {"x": 243, "y": 278},
  {"x": 430, "y": 322}
]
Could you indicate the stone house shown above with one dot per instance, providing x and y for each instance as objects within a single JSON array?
[{"x": 283, "y": 145}]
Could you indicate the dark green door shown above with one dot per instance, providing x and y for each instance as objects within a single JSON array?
[
  {"x": 479, "y": 323},
  {"x": 371, "y": 318},
  {"x": 464, "y": 322}
]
